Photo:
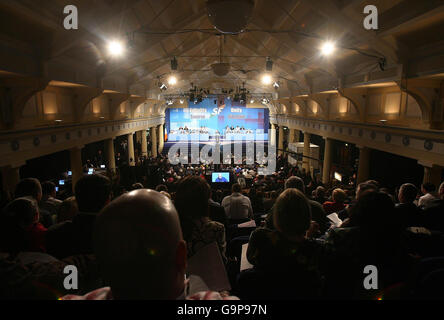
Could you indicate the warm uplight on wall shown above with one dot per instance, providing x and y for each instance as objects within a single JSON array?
[
  {"x": 328, "y": 48},
  {"x": 266, "y": 79},
  {"x": 115, "y": 48}
]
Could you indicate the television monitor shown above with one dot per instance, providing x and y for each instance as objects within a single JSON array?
[
  {"x": 69, "y": 173},
  {"x": 220, "y": 177},
  {"x": 61, "y": 182},
  {"x": 338, "y": 176},
  {"x": 90, "y": 171},
  {"x": 102, "y": 166},
  {"x": 57, "y": 189}
]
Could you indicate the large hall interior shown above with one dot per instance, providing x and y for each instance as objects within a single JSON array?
[{"x": 291, "y": 143}]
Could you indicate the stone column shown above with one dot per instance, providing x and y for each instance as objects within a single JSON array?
[
  {"x": 327, "y": 160},
  {"x": 154, "y": 142},
  {"x": 11, "y": 177},
  {"x": 273, "y": 135},
  {"x": 110, "y": 154},
  {"x": 364, "y": 164},
  {"x": 306, "y": 153},
  {"x": 131, "y": 157},
  {"x": 144, "y": 143},
  {"x": 281, "y": 140},
  {"x": 76, "y": 165},
  {"x": 161, "y": 138},
  {"x": 432, "y": 173}
]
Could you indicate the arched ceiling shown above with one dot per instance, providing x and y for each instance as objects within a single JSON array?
[{"x": 409, "y": 29}]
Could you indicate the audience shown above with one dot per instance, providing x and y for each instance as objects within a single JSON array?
[
  {"x": 237, "y": 206},
  {"x": 22, "y": 231},
  {"x": 408, "y": 213},
  {"x": 337, "y": 205},
  {"x": 191, "y": 201},
  {"x": 428, "y": 189},
  {"x": 143, "y": 238},
  {"x": 31, "y": 187},
  {"x": 92, "y": 192}
]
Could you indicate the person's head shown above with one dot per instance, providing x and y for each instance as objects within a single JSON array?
[
  {"x": 93, "y": 192},
  {"x": 139, "y": 247},
  {"x": 29, "y": 187},
  {"x": 219, "y": 176},
  {"x": 292, "y": 213},
  {"x": 236, "y": 188},
  {"x": 16, "y": 219},
  {"x": 339, "y": 195},
  {"x": 48, "y": 189},
  {"x": 296, "y": 183},
  {"x": 363, "y": 187},
  {"x": 192, "y": 195},
  {"x": 161, "y": 187},
  {"x": 428, "y": 187},
  {"x": 166, "y": 194},
  {"x": 407, "y": 193},
  {"x": 375, "y": 211},
  {"x": 137, "y": 186},
  {"x": 67, "y": 210},
  {"x": 320, "y": 192}
]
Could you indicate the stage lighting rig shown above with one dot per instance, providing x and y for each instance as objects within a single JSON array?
[{"x": 269, "y": 64}]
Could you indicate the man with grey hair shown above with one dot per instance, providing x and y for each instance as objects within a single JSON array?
[{"x": 434, "y": 212}]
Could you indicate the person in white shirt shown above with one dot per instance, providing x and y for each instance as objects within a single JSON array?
[
  {"x": 427, "y": 189},
  {"x": 237, "y": 206}
]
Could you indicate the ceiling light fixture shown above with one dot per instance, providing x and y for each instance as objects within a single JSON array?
[
  {"x": 172, "y": 80},
  {"x": 266, "y": 79},
  {"x": 328, "y": 48},
  {"x": 115, "y": 48}
]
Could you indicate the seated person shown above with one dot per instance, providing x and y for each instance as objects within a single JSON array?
[
  {"x": 192, "y": 196},
  {"x": 140, "y": 250},
  {"x": 22, "y": 231},
  {"x": 434, "y": 212},
  {"x": 409, "y": 214},
  {"x": 337, "y": 205},
  {"x": 74, "y": 237},
  {"x": 287, "y": 264},
  {"x": 375, "y": 238}
]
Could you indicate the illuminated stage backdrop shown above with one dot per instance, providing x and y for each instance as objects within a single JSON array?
[{"x": 214, "y": 117}]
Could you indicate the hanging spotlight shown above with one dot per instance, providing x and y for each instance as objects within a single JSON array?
[
  {"x": 174, "y": 64},
  {"x": 266, "y": 79},
  {"x": 181, "y": 101},
  {"x": 269, "y": 64},
  {"x": 162, "y": 86},
  {"x": 328, "y": 48},
  {"x": 172, "y": 80},
  {"x": 252, "y": 101},
  {"x": 276, "y": 85},
  {"x": 115, "y": 48}
]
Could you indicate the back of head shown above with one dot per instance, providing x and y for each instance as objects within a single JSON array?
[
  {"x": 67, "y": 210},
  {"x": 16, "y": 218},
  {"x": 292, "y": 213},
  {"x": 428, "y": 187},
  {"x": 48, "y": 188},
  {"x": 375, "y": 212},
  {"x": 407, "y": 193},
  {"x": 236, "y": 188},
  {"x": 28, "y": 187},
  {"x": 136, "y": 240},
  {"x": 320, "y": 192},
  {"x": 364, "y": 187},
  {"x": 339, "y": 195},
  {"x": 92, "y": 192},
  {"x": 296, "y": 183},
  {"x": 192, "y": 197},
  {"x": 161, "y": 187}
]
